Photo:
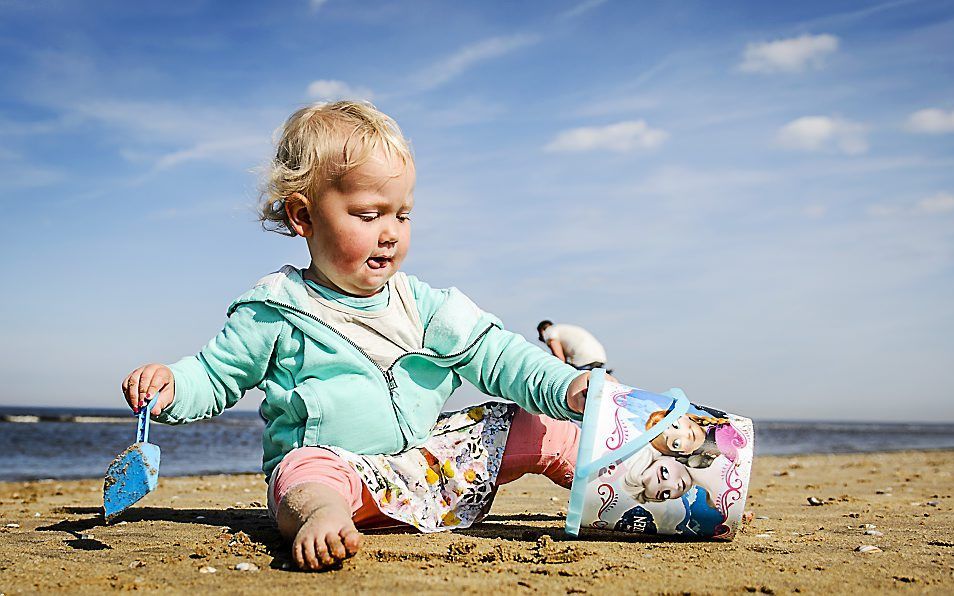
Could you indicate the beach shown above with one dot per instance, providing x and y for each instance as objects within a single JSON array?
[{"x": 52, "y": 539}]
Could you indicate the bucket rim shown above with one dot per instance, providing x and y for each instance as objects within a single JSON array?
[
  {"x": 574, "y": 510},
  {"x": 586, "y": 467}
]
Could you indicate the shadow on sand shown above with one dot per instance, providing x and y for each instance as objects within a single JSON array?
[
  {"x": 253, "y": 522},
  {"x": 261, "y": 530}
]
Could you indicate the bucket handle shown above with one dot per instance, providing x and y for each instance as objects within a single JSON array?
[
  {"x": 142, "y": 430},
  {"x": 679, "y": 407}
]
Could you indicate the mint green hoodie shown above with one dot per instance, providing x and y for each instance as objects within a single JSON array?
[{"x": 321, "y": 389}]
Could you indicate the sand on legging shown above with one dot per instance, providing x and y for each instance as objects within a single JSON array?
[{"x": 902, "y": 500}]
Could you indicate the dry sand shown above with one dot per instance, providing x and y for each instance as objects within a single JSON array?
[{"x": 52, "y": 540}]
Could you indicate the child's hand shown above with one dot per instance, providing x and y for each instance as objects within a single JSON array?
[
  {"x": 576, "y": 392},
  {"x": 142, "y": 384}
]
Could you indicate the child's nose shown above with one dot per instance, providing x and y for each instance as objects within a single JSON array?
[{"x": 389, "y": 233}]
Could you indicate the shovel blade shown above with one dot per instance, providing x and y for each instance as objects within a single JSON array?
[{"x": 132, "y": 475}]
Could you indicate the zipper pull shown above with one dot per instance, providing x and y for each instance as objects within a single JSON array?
[{"x": 389, "y": 377}]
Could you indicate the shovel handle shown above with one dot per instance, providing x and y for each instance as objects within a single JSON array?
[{"x": 142, "y": 430}]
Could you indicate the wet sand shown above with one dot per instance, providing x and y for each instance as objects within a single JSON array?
[{"x": 52, "y": 539}]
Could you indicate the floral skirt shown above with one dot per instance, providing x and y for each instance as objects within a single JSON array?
[{"x": 447, "y": 483}]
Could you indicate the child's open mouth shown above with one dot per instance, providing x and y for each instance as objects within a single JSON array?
[{"x": 378, "y": 262}]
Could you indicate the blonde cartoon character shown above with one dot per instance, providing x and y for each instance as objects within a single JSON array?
[
  {"x": 665, "y": 478},
  {"x": 659, "y": 479}
]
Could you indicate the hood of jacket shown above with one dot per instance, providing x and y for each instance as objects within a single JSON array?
[{"x": 456, "y": 324}]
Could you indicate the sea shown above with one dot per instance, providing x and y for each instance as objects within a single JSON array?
[{"x": 39, "y": 443}]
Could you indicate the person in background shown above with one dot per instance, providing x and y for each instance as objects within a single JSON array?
[{"x": 572, "y": 344}]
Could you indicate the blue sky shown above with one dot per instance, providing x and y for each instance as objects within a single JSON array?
[{"x": 752, "y": 201}]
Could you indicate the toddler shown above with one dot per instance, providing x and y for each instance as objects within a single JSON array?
[{"x": 356, "y": 358}]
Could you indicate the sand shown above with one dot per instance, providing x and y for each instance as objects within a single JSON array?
[{"x": 52, "y": 539}]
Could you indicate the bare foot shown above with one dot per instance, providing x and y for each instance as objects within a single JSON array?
[{"x": 317, "y": 520}]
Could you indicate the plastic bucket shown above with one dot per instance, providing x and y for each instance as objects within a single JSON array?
[{"x": 657, "y": 464}]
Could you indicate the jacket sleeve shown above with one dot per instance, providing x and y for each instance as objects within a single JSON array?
[
  {"x": 234, "y": 361},
  {"x": 496, "y": 361},
  {"x": 504, "y": 364}
]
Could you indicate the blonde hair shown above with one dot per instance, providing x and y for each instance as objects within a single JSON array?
[
  {"x": 632, "y": 480},
  {"x": 318, "y": 145}
]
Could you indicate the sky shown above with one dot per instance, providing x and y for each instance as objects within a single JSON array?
[{"x": 751, "y": 201}]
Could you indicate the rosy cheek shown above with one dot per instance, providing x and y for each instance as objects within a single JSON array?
[{"x": 348, "y": 247}]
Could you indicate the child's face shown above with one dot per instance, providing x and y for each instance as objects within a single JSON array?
[
  {"x": 684, "y": 436},
  {"x": 665, "y": 479},
  {"x": 361, "y": 230}
]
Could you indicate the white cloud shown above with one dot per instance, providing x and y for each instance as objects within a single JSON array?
[
  {"x": 242, "y": 148},
  {"x": 331, "y": 90},
  {"x": 454, "y": 65},
  {"x": 195, "y": 208},
  {"x": 19, "y": 175},
  {"x": 622, "y": 136},
  {"x": 788, "y": 55},
  {"x": 942, "y": 202},
  {"x": 150, "y": 121},
  {"x": 582, "y": 7},
  {"x": 821, "y": 133},
  {"x": 166, "y": 134},
  {"x": 931, "y": 121},
  {"x": 843, "y": 18}
]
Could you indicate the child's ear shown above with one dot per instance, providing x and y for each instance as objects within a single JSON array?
[{"x": 296, "y": 210}]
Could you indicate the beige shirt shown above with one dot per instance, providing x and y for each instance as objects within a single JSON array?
[
  {"x": 383, "y": 334},
  {"x": 579, "y": 345}
]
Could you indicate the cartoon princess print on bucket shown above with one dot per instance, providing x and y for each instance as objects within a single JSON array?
[
  {"x": 625, "y": 482},
  {"x": 696, "y": 440}
]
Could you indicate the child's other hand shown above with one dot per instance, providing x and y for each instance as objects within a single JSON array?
[
  {"x": 576, "y": 392},
  {"x": 142, "y": 384}
]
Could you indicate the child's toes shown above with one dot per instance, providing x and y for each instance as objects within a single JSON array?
[
  {"x": 352, "y": 540},
  {"x": 303, "y": 551},
  {"x": 336, "y": 547},
  {"x": 324, "y": 556},
  {"x": 297, "y": 556},
  {"x": 315, "y": 555}
]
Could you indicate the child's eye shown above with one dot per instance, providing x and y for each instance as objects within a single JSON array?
[
  {"x": 368, "y": 216},
  {"x": 664, "y": 472},
  {"x": 404, "y": 217},
  {"x": 664, "y": 495},
  {"x": 676, "y": 444}
]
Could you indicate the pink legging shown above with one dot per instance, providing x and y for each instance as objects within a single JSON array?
[{"x": 535, "y": 445}]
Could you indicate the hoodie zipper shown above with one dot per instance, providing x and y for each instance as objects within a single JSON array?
[
  {"x": 454, "y": 355},
  {"x": 386, "y": 373}
]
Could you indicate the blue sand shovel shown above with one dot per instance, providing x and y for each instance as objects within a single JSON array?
[{"x": 134, "y": 473}]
